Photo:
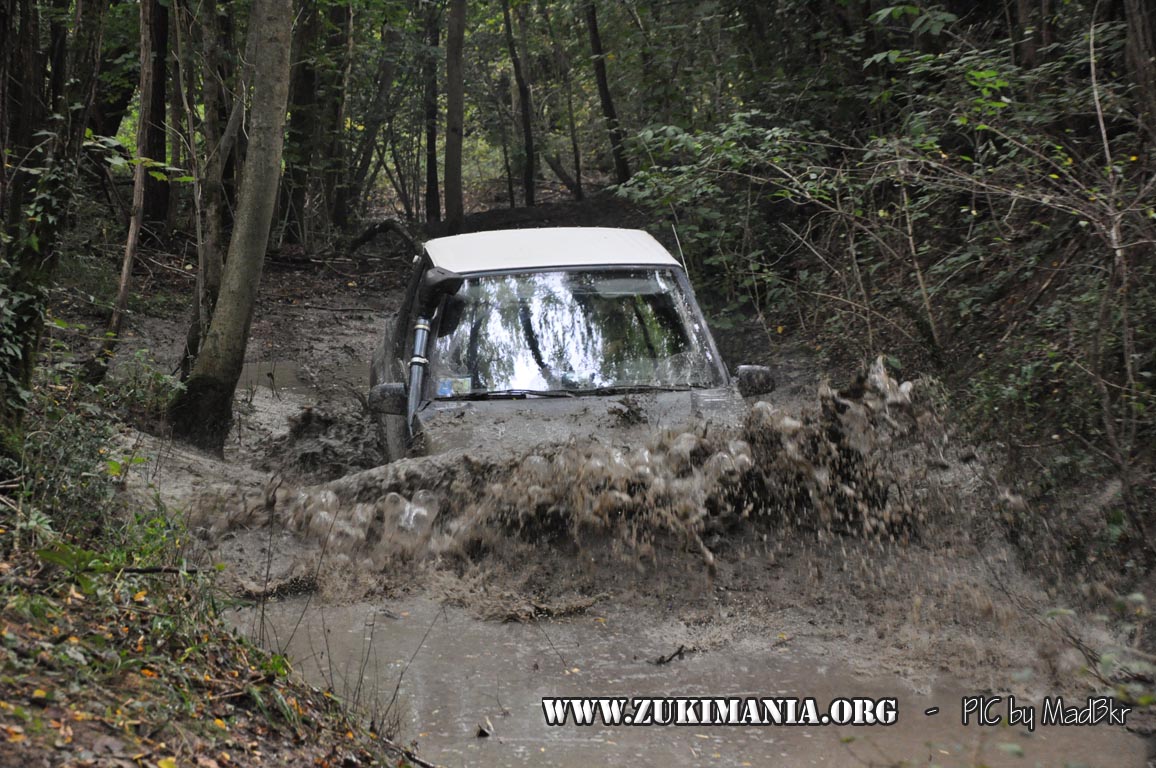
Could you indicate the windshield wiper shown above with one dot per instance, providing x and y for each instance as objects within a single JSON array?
[
  {"x": 634, "y": 389},
  {"x": 509, "y": 394}
]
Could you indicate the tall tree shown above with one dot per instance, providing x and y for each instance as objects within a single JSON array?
[
  {"x": 563, "y": 69},
  {"x": 97, "y": 367},
  {"x": 1141, "y": 55},
  {"x": 362, "y": 157},
  {"x": 333, "y": 88},
  {"x": 299, "y": 141},
  {"x": 455, "y": 114},
  {"x": 202, "y": 412},
  {"x": 617, "y": 137},
  {"x": 154, "y": 146},
  {"x": 38, "y": 174},
  {"x": 526, "y": 108},
  {"x": 433, "y": 206},
  {"x": 220, "y": 125}
]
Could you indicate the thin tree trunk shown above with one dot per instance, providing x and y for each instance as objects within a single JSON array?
[
  {"x": 500, "y": 104},
  {"x": 97, "y": 367},
  {"x": 563, "y": 67},
  {"x": 331, "y": 144},
  {"x": 202, "y": 413},
  {"x": 114, "y": 94},
  {"x": 433, "y": 205},
  {"x": 29, "y": 245},
  {"x": 156, "y": 196},
  {"x": 559, "y": 170},
  {"x": 1141, "y": 55},
  {"x": 213, "y": 207},
  {"x": 376, "y": 119},
  {"x": 302, "y": 127},
  {"x": 455, "y": 114},
  {"x": 617, "y": 138},
  {"x": 525, "y": 106}
]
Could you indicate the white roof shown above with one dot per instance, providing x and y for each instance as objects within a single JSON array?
[{"x": 510, "y": 250}]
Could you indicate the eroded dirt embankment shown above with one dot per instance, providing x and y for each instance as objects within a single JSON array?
[{"x": 852, "y": 523}]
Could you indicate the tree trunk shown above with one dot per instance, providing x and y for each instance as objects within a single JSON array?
[
  {"x": 1141, "y": 55},
  {"x": 500, "y": 105},
  {"x": 97, "y": 367},
  {"x": 331, "y": 142},
  {"x": 559, "y": 170},
  {"x": 455, "y": 115},
  {"x": 28, "y": 249},
  {"x": 152, "y": 142},
  {"x": 376, "y": 118},
  {"x": 211, "y": 188},
  {"x": 115, "y": 94},
  {"x": 526, "y": 108},
  {"x": 433, "y": 206},
  {"x": 617, "y": 138},
  {"x": 563, "y": 67},
  {"x": 302, "y": 127},
  {"x": 202, "y": 413}
]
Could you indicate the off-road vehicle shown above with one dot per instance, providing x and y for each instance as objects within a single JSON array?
[{"x": 518, "y": 337}]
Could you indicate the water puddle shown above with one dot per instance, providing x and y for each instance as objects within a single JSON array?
[{"x": 437, "y": 674}]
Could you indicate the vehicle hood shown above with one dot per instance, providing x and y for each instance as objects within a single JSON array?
[{"x": 504, "y": 425}]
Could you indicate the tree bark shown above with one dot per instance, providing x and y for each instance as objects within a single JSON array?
[
  {"x": 29, "y": 246},
  {"x": 152, "y": 142},
  {"x": 1141, "y": 56},
  {"x": 302, "y": 127},
  {"x": 526, "y": 108},
  {"x": 433, "y": 206},
  {"x": 563, "y": 67},
  {"x": 334, "y": 84},
  {"x": 455, "y": 115},
  {"x": 500, "y": 106},
  {"x": 211, "y": 187},
  {"x": 376, "y": 118},
  {"x": 202, "y": 413},
  {"x": 613, "y": 127},
  {"x": 97, "y": 367}
]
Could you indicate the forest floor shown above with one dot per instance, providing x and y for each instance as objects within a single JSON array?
[{"x": 949, "y": 608}]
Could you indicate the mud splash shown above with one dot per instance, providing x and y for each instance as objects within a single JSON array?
[
  {"x": 847, "y": 523},
  {"x": 841, "y": 469}
]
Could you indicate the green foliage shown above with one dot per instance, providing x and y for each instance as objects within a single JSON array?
[
  {"x": 57, "y": 483},
  {"x": 993, "y": 217},
  {"x": 141, "y": 389}
]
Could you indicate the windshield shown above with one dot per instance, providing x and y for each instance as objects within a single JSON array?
[{"x": 572, "y": 331}]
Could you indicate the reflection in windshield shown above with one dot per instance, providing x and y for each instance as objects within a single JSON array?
[{"x": 570, "y": 330}]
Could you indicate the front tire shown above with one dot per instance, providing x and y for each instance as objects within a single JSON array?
[{"x": 391, "y": 431}]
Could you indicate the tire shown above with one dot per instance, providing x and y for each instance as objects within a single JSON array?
[{"x": 391, "y": 432}]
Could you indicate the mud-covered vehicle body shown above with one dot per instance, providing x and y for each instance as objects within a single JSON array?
[{"x": 515, "y": 338}]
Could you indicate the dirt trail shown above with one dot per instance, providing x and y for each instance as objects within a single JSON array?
[{"x": 931, "y": 604}]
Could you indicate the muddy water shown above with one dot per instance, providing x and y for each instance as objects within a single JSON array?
[
  {"x": 437, "y": 674},
  {"x": 289, "y": 376}
]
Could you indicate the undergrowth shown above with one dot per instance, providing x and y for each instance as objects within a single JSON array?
[{"x": 111, "y": 644}]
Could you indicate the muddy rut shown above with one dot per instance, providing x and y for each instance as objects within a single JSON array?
[{"x": 840, "y": 542}]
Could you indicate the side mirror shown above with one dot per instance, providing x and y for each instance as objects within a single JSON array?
[
  {"x": 388, "y": 399},
  {"x": 437, "y": 282},
  {"x": 754, "y": 380}
]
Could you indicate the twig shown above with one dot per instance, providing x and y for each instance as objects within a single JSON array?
[
  {"x": 161, "y": 569},
  {"x": 336, "y": 309},
  {"x": 678, "y": 654}
]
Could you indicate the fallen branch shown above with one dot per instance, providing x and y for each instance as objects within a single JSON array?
[
  {"x": 678, "y": 654},
  {"x": 375, "y": 229}
]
